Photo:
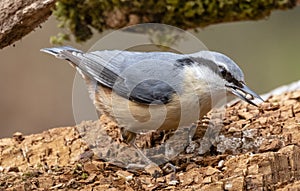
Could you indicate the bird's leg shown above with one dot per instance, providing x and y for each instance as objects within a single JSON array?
[
  {"x": 169, "y": 167},
  {"x": 129, "y": 137},
  {"x": 191, "y": 133},
  {"x": 150, "y": 166}
]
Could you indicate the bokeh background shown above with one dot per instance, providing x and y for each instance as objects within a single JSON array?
[{"x": 36, "y": 89}]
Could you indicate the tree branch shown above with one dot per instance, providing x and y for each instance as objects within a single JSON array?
[
  {"x": 18, "y": 18},
  {"x": 80, "y": 18}
]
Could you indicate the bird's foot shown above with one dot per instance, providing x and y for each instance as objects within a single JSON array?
[{"x": 168, "y": 168}]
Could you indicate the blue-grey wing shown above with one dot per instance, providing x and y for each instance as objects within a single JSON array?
[
  {"x": 150, "y": 91},
  {"x": 93, "y": 66},
  {"x": 148, "y": 78}
]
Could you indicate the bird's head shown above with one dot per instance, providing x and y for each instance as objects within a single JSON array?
[{"x": 225, "y": 73}]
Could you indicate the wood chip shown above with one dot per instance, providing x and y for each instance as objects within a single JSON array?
[{"x": 127, "y": 176}]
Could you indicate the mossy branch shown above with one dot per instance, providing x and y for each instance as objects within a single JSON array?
[
  {"x": 18, "y": 17},
  {"x": 81, "y": 16}
]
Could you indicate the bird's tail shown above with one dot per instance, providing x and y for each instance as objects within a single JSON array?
[{"x": 57, "y": 51}]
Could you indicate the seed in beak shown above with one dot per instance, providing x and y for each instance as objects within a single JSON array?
[{"x": 249, "y": 96}]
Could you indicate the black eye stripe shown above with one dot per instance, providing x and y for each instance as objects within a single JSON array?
[
  {"x": 223, "y": 71},
  {"x": 228, "y": 77},
  {"x": 218, "y": 69}
]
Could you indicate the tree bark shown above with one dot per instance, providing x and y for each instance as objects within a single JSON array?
[
  {"x": 256, "y": 149},
  {"x": 18, "y": 18}
]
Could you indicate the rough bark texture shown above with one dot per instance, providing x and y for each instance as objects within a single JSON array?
[
  {"x": 18, "y": 18},
  {"x": 256, "y": 149}
]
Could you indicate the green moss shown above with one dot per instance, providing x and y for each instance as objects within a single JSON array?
[
  {"x": 80, "y": 16},
  {"x": 59, "y": 38},
  {"x": 30, "y": 174},
  {"x": 84, "y": 175}
]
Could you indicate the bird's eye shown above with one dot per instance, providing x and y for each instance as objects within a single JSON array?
[{"x": 222, "y": 71}]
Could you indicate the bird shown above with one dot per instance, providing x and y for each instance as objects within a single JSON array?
[{"x": 146, "y": 91}]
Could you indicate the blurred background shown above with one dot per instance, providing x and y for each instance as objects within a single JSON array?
[{"x": 36, "y": 89}]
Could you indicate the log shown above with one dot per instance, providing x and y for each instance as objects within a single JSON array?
[{"x": 256, "y": 149}]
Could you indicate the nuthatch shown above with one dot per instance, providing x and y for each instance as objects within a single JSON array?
[{"x": 144, "y": 91}]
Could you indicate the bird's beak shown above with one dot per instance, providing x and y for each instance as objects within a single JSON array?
[{"x": 244, "y": 93}]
